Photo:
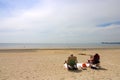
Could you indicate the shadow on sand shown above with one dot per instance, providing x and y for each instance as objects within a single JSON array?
[
  {"x": 75, "y": 71},
  {"x": 101, "y": 68}
]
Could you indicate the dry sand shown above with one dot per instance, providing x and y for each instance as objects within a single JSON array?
[{"x": 48, "y": 64}]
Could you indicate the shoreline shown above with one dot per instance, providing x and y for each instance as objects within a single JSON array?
[{"x": 57, "y": 48}]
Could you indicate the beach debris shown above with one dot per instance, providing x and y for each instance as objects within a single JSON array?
[{"x": 82, "y": 54}]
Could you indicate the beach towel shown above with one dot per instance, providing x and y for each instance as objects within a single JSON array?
[{"x": 79, "y": 65}]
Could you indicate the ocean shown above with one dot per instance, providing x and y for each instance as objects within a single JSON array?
[{"x": 55, "y": 45}]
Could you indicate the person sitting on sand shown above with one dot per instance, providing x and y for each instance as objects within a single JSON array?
[
  {"x": 96, "y": 61},
  {"x": 72, "y": 62}
]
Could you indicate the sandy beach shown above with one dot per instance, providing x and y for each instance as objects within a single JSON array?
[{"x": 46, "y": 64}]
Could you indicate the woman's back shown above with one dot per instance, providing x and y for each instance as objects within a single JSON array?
[{"x": 96, "y": 59}]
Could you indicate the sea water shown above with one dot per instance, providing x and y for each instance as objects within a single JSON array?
[{"x": 55, "y": 45}]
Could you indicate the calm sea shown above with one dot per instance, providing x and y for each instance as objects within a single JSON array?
[{"x": 54, "y": 45}]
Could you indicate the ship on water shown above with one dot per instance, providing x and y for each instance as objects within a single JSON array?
[{"x": 110, "y": 42}]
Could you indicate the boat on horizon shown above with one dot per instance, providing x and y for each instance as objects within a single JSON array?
[{"x": 110, "y": 42}]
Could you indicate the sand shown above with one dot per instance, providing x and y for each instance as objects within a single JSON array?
[{"x": 31, "y": 64}]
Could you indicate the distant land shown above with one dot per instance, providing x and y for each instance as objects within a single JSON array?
[{"x": 110, "y": 42}]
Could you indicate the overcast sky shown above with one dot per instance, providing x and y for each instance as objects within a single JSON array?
[{"x": 59, "y": 21}]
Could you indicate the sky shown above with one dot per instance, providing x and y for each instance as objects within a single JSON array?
[{"x": 59, "y": 21}]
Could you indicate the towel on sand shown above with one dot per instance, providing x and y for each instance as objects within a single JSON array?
[{"x": 79, "y": 65}]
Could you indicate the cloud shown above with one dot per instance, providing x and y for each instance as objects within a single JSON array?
[
  {"x": 108, "y": 33},
  {"x": 61, "y": 20},
  {"x": 109, "y": 24}
]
